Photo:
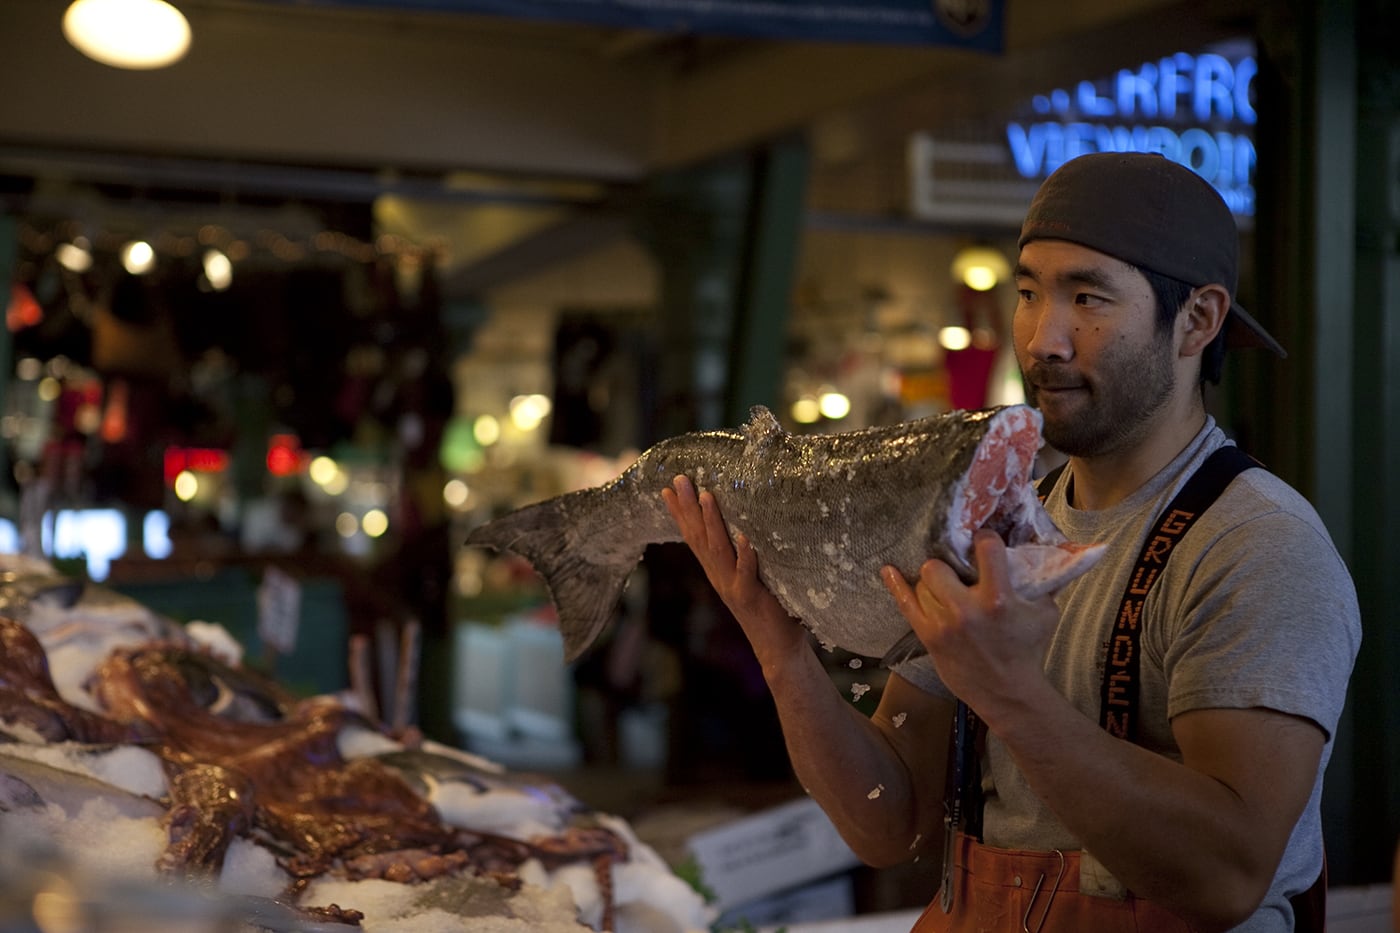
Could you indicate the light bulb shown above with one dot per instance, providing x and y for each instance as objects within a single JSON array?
[{"x": 139, "y": 34}]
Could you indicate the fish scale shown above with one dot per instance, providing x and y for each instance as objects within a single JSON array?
[{"x": 823, "y": 512}]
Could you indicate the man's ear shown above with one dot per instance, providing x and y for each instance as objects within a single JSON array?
[{"x": 1202, "y": 317}]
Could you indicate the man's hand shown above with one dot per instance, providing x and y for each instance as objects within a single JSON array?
[
  {"x": 732, "y": 569},
  {"x": 838, "y": 753},
  {"x": 1202, "y": 835},
  {"x": 985, "y": 641}
]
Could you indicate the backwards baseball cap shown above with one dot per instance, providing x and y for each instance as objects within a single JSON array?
[{"x": 1154, "y": 214}]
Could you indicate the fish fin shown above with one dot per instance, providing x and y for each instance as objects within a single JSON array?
[
  {"x": 906, "y": 649},
  {"x": 585, "y": 594},
  {"x": 762, "y": 426},
  {"x": 1036, "y": 570}
]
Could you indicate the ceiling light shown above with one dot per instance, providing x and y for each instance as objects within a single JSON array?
[
  {"x": 955, "y": 338},
  {"x": 833, "y": 404},
  {"x": 138, "y": 257},
  {"x": 806, "y": 410},
  {"x": 218, "y": 270},
  {"x": 75, "y": 256},
  {"x": 528, "y": 411},
  {"x": 322, "y": 470},
  {"x": 455, "y": 493},
  {"x": 127, "y": 33},
  {"x": 486, "y": 430},
  {"x": 980, "y": 267},
  {"x": 375, "y": 523},
  {"x": 186, "y": 486}
]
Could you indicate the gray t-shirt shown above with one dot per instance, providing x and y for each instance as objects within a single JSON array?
[{"x": 1255, "y": 608}]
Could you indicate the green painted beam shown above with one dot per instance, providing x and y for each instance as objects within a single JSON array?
[
  {"x": 1375, "y": 430},
  {"x": 1331, "y": 220},
  {"x": 1328, "y": 247},
  {"x": 725, "y": 235},
  {"x": 774, "y": 239},
  {"x": 694, "y": 222}
]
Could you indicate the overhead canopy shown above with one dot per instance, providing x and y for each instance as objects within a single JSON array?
[{"x": 972, "y": 24}]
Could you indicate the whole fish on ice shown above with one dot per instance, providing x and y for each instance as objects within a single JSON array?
[{"x": 823, "y": 512}]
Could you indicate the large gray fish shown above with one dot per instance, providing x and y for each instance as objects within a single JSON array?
[{"x": 823, "y": 512}]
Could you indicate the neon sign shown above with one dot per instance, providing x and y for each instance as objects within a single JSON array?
[{"x": 1193, "y": 109}]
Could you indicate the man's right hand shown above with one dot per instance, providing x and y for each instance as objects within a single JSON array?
[
  {"x": 878, "y": 777},
  {"x": 731, "y": 566}
]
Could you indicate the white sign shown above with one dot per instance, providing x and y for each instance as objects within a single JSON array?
[{"x": 279, "y": 610}]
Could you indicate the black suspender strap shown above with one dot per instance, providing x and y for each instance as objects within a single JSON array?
[
  {"x": 1118, "y": 704},
  {"x": 1048, "y": 481},
  {"x": 1118, "y": 701}
]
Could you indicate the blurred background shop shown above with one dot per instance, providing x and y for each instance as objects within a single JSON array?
[{"x": 291, "y": 313}]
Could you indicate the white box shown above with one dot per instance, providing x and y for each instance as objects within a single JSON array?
[
  {"x": 538, "y": 700},
  {"x": 513, "y": 695},
  {"x": 481, "y": 679},
  {"x": 898, "y": 921},
  {"x": 829, "y": 899},
  {"x": 769, "y": 851}
]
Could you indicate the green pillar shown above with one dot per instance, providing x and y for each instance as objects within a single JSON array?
[
  {"x": 1304, "y": 245},
  {"x": 725, "y": 235},
  {"x": 1375, "y": 425},
  {"x": 1327, "y": 418},
  {"x": 774, "y": 241},
  {"x": 693, "y": 220}
]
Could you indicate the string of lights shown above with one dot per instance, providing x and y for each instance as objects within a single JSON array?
[{"x": 74, "y": 244}]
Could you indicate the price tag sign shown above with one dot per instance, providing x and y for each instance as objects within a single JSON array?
[{"x": 279, "y": 610}]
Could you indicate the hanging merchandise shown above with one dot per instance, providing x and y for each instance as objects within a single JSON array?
[
  {"x": 130, "y": 336},
  {"x": 970, "y": 367}
]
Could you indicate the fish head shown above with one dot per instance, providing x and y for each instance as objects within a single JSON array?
[{"x": 997, "y": 493}]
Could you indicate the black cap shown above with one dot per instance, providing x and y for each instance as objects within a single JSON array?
[{"x": 1154, "y": 214}]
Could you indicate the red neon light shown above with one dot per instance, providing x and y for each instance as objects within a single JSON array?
[
  {"x": 284, "y": 455},
  {"x": 194, "y": 459},
  {"x": 23, "y": 310},
  {"x": 206, "y": 460}
]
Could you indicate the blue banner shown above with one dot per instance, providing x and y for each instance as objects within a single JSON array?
[{"x": 972, "y": 24}]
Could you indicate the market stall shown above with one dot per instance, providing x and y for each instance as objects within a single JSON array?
[{"x": 149, "y": 776}]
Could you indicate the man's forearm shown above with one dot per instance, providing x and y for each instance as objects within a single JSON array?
[
  {"x": 854, "y": 766},
  {"x": 1169, "y": 832}
]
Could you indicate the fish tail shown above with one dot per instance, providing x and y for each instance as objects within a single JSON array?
[{"x": 585, "y": 592}]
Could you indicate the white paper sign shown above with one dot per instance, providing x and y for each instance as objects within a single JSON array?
[{"x": 279, "y": 610}]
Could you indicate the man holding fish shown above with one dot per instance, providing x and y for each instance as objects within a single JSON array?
[{"x": 1151, "y": 738}]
